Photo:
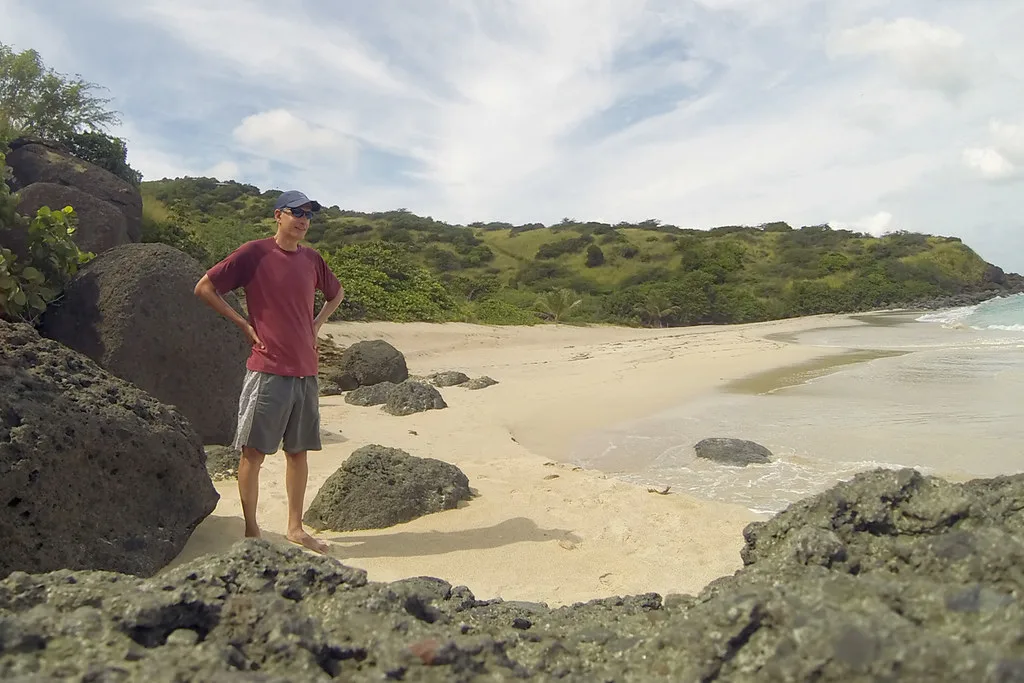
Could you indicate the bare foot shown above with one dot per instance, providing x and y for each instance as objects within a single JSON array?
[
  {"x": 302, "y": 538},
  {"x": 252, "y": 531}
]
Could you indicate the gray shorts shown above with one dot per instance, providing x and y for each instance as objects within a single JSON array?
[{"x": 273, "y": 409}]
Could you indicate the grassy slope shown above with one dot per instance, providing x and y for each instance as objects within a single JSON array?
[{"x": 766, "y": 265}]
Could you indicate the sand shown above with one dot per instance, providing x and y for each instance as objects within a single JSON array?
[{"x": 540, "y": 529}]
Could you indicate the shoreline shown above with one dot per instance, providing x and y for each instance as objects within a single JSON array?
[{"x": 540, "y": 529}]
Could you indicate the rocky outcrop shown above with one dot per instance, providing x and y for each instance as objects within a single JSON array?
[
  {"x": 371, "y": 362},
  {"x": 37, "y": 161},
  {"x": 929, "y": 590},
  {"x": 94, "y": 473},
  {"x": 379, "y": 487},
  {"x": 448, "y": 378},
  {"x": 373, "y": 395},
  {"x": 222, "y": 462},
  {"x": 133, "y": 311},
  {"x": 100, "y": 225},
  {"x": 479, "y": 383},
  {"x": 735, "y": 452},
  {"x": 413, "y": 397}
]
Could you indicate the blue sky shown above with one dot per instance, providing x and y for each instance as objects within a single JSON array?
[{"x": 874, "y": 115}]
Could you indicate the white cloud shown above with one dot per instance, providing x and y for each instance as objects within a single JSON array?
[
  {"x": 224, "y": 170},
  {"x": 877, "y": 224},
  {"x": 923, "y": 54},
  {"x": 1001, "y": 159},
  {"x": 706, "y": 113},
  {"x": 281, "y": 134},
  {"x": 1009, "y": 139},
  {"x": 988, "y": 162}
]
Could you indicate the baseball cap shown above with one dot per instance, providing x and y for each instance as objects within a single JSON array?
[{"x": 293, "y": 198}]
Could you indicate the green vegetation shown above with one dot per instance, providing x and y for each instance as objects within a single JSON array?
[
  {"x": 31, "y": 280},
  {"x": 37, "y": 101},
  {"x": 396, "y": 265}
]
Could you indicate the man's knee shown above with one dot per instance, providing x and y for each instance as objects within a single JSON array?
[
  {"x": 252, "y": 457},
  {"x": 297, "y": 455}
]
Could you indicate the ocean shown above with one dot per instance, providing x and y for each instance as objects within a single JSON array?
[{"x": 940, "y": 391}]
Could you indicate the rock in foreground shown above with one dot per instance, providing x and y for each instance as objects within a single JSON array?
[
  {"x": 133, "y": 311},
  {"x": 922, "y": 607},
  {"x": 377, "y": 487},
  {"x": 94, "y": 473},
  {"x": 735, "y": 452}
]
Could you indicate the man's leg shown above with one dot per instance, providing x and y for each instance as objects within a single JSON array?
[
  {"x": 262, "y": 415},
  {"x": 302, "y": 434},
  {"x": 249, "y": 487},
  {"x": 296, "y": 475}
]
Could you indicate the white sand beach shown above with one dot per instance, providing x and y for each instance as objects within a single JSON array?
[{"x": 539, "y": 530}]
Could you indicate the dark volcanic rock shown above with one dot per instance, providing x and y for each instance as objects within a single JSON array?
[
  {"x": 413, "y": 397},
  {"x": 373, "y": 395},
  {"x": 378, "y": 487},
  {"x": 480, "y": 383},
  {"x": 919, "y": 606},
  {"x": 736, "y": 452},
  {"x": 36, "y": 161},
  {"x": 101, "y": 225},
  {"x": 372, "y": 362},
  {"x": 133, "y": 311},
  {"x": 222, "y": 462},
  {"x": 448, "y": 379},
  {"x": 94, "y": 473}
]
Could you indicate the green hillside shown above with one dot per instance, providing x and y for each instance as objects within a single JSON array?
[{"x": 396, "y": 265}]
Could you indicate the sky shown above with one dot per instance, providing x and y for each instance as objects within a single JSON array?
[{"x": 865, "y": 114}]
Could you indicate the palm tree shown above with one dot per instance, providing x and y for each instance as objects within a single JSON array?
[
  {"x": 558, "y": 304},
  {"x": 655, "y": 309}
]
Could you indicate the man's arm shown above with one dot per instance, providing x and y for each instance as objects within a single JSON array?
[
  {"x": 330, "y": 306},
  {"x": 206, "y": 291}
]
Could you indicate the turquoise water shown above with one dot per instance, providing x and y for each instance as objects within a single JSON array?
[{"x": 950, "y": 405}]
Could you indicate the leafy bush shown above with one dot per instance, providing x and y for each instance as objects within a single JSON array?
[
  {"x": 595, "y": 257},
  {"x": 498, "y": 312},
  {"x": 382, "y": 283},
  {"x": 31, "y": 281}
]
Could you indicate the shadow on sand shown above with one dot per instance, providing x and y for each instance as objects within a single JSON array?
[{"x": 413, "y": 544}]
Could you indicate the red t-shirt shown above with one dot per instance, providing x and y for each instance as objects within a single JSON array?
[{"x": 279, "y": 289}]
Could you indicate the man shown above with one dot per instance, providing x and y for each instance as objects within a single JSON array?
[{"x": 280, "y": 401}]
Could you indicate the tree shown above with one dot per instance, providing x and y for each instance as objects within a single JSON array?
[
  {"x": 656, "y": 308},
  {"x": 36, "y": 100},
  {"x": 595, "y": 257},
  {"x": 558, "y": 304}
]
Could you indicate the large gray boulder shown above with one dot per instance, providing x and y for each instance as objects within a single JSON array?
[
  {"x": 39, "y": 161},
  {"x": 94, "y": 473},
  {"x": 735, "y": 452},
  {"x": 100, "y": 225},
  {"x": 379, "y": 487},
  {"x": 133, "y": 311},
  {"x": 935, "y": 596},
  {"x": 371, "y": 362}
]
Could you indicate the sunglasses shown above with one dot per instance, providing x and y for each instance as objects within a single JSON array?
[{"x": 299, "y": 213}]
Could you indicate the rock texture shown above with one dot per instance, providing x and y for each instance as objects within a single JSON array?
[
  {"x": 929, "y": 590},
  {"x": 133, "y": 311},
  {"x": 372, "y": 362},
  {"x": 101, "y": 226},
  {"x": 222, "y": 462},
  {"x": 449, "y": 378},
  {"x": 373, "y": 395},
  {"x": 378, "y": 487},
  {"x": 480, "y": 383},
  {"x": 413, "y": 397},
  {"x": 38, "y": 161},
  {"x": 94, "y": 473},
  {"x": 735, "y": 452}
]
